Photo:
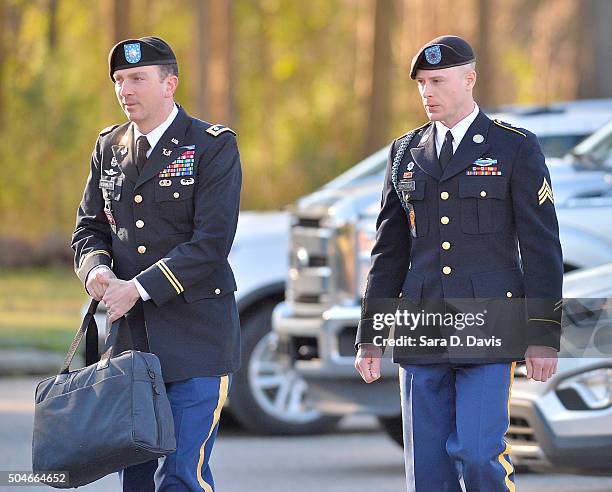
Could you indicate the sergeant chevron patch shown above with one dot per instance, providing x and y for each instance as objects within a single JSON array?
[{"x": 545, "y": 193}]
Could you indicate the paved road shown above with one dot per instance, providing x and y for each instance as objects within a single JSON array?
[{"x": 358, "y": 457}]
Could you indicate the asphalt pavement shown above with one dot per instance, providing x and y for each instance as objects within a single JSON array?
[{"x": 357, "y": 457}]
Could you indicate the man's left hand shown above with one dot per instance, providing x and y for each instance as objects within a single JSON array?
[
  {"x": 120, "y": 297},
  {"x": 541, "y": 362}
]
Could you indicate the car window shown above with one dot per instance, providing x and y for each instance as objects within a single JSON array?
[{"x": 596, "y": 149}]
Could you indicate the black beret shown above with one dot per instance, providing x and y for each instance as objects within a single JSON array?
[
  {"x": 139, "y": 53},
  {"x": 442, "y": 52}
]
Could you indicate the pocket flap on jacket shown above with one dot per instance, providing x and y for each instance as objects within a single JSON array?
[
  {"x": 499, "y": 284},
  {"x": 168, "y": 190},
  {"x": 473, "y": 186},
  {"x": 419, "y": 191}
]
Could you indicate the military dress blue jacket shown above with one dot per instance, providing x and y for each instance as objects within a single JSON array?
[
  {"x": 171, "y": 227},
  {"x": 484, "y": 228}
]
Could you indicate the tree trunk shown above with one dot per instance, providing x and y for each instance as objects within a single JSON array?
[
  {"x": 200, "y": 59},
  {"x": 593, "y": 67},
  {"x": 484, "y": 85},
  {"x": 121, "y": 20},
  {"x": 379, "y": 104},
  {"x": 219, "y": 87},
  {"x": 3, "y": 51},
  {"x": 52, "y": 33}
]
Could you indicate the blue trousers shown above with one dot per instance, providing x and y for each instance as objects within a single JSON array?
[
  {"x": 196, "y": 407},
  {"x": 454, "y": 420}
]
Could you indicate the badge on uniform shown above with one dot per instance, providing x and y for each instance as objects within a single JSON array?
[
  {"x": 484, "y": 167},
  {"x": 433, "y": 54},
  {"x": 412, "y": 217},
  {"x": 109, "y": 216},
  {"x": 132, "y": 52},
  {"x": 182, "y": 165}
]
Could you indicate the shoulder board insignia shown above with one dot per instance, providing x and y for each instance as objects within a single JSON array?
[
  {"x": 216, "y": 130},
  {"x": 107, "y": 130},
  {"x": 416, "y": 130},
  {"x": 508, "y": 127}
]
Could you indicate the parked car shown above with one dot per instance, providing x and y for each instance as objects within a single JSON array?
[
  {"x": 332, "y": 234},
  {"x": 565, "y": 424}
]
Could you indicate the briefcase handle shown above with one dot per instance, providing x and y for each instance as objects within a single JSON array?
[{"x": 90, "y": 329}]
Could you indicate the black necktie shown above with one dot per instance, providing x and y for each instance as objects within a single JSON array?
[
  {"x": 142, "y": 146},
  {"x": 447, "y": 150}
]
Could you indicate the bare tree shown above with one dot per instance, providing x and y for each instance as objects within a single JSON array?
[
  {"x": 3, "y": 41},
  {"x": 52, "y": 30},
  {"x": 484, "y": 87},
  {"x": 593, "y": 56},
  {"x": 219, "y": 61},
  {"x": 200, "y": 55},
  {"x": 379, "y": 103},
  {"x": 121, "y": 20}
]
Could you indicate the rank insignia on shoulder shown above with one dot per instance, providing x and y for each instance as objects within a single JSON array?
[
  {"x": 216, "y": 130},
  {"x": 107, "y": 130},
  {"x": 507, "y": 126},
  {"x": 545, "y": 193}
]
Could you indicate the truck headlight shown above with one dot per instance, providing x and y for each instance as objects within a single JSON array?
[
  {"x": 590, "y": 390},
  {"x": 365, "y": 238}
]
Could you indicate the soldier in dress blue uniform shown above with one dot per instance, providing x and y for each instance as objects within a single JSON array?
[
  {"x": 461, "y": 194},
  {"x": 153, "y": 233}
]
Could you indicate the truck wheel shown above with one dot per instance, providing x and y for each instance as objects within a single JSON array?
[
  {"x": 267, "y": 398},
  {"x": 393, "y": 427}
]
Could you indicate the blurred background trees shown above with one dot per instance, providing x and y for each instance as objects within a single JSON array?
[{"x": 310, "y": 87}]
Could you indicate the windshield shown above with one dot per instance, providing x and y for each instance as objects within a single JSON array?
[
  {"x": 596, "y": 150},
  {"x": 370, "y": 166}
]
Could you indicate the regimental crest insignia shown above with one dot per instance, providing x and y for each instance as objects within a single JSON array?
[
  {"x": 545, "y": 193},
  {"x": 433, "y": 55},
  {"x": 132, "y": 52}
]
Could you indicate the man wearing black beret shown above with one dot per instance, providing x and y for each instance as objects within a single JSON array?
[
  {"x": 461, "y": 194},
  {"x": 153, "y": 233}
]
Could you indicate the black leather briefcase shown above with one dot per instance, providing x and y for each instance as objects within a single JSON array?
[{"x": 105, "y": 417}]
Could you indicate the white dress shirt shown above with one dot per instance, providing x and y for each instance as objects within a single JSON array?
[
  {"x": 458, "y": 131},
  {"x": 152, "y": 137}
]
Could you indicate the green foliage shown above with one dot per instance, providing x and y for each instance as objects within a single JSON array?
[
  {"x": 39, "y": 308},
  {"x": 300, "y": 115}
]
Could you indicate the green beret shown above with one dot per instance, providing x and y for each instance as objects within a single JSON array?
[
  {"x": 442, "y": 52},
  {"x": 139, "y": 53}
]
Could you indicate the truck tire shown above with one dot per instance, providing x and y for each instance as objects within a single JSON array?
[
  {"x": 393, "y": 427},
  {"x": 265, "y": 397}
]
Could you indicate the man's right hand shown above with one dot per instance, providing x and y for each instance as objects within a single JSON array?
[
  {"x": 98, "y": 281},
  {"x": 367, "y": 362}
]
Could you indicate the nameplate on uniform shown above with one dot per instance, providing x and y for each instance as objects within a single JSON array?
[
  {"x": 406, "y": 185},
  {"x": 107, "y": 184}
]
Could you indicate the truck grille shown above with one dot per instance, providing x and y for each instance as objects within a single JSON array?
[
  {"x": 309, "y": 283},
  {"x": 520, "y": 432}
]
